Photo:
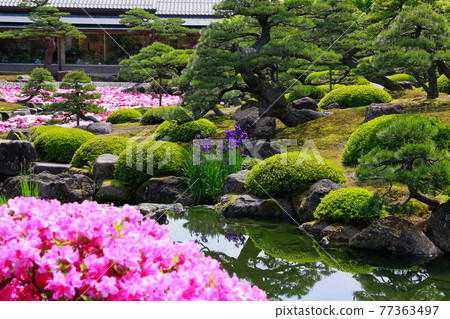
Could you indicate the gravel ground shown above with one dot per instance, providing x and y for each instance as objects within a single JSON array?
[{"x": 97, "y": 84}]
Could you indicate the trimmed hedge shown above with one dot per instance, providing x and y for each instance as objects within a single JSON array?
[
  {"x": 186, "y": 132},
  {"x": 133, "y": 164},
  {"x": 123, "y": 116},
  {"x": 365, "y": 137},
  {"x": 278, "y": 176},
  {"x": 443, "y": 84},
  {"x": 35, "y": 131},
  {"x": 355, "y": 96},
  {"x": 402, "y": 77},
  {"x": 164, "y": 113},
  {"x": 300, "y": 91},
  {"x": 60, "y": 145},
  {"x": 89, "y": 151},
  {"x": 344, "y": 205}
]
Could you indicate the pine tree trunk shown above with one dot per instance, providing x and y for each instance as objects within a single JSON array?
[
  {"x": 51, "y": 47},
  {"x": 433, "y": 92}
]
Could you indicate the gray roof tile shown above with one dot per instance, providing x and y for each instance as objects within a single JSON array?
[{"x": 163, "y": 7}]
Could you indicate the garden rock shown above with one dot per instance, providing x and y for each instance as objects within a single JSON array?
[
  {"x": 375, "y": 110},
  {"x": 406, "y": 85},
  {"x": 99, "y": 128},
  {"x": 52, "y": 168},
  {"x": 316, "y": 192},
  {"x": 241, "y": 114},
  {"x": 262, "y": 149},
  {"x": 258, "y": 127},
  {"x": 334, "y": 105},
  {"x": 305, "y": 103},
  {"x": 297, "y": 117},
  {"x": 234, "y": 183},
  {"x": 236, "y": 101},
  {"x": 315, "y": 227},
  {"x": 137, "y": 88},
  {"x": 340, "y": 232},
  {"x": 112, "y": 192},
  {"x": 104, "y": 167},
  {"x": 23, "y": 112},
  {"x": 92, "y": 119},
  {"x": 5, "y": 115},
  {"x": 34, "y": 105},
  {"x": 166, "y": 190},
  {"x": 23, "y": 79},
  {"x": 15, "y": 134},
  {"x": 136, "y": 120},
  {"x": 440, "y": 227},
  {"x": 15, "y": 156},
  {"x": 64, "y": 187},
  {"x": 396, "y": 235},
  {"x": 249, "y": 205},
  {"x": 177, "y": 208}
]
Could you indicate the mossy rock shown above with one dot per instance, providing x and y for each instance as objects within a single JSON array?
[
  {"x": 185, "y": 132},
  {"x": 113, "y": 191},
  {"x": 89, "y": 151},
  {"x": 282, "y": 174},
  {"x": 123, "y": 116},
  {"x": 355, "y": 96},
  {"x": 60, "y": 145},
  {"x": 141, "y": 161}
]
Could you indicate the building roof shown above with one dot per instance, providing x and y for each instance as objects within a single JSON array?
[{"x": 162, "y": 7}]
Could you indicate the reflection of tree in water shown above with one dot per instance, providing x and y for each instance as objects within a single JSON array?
[
  {"x": 397, "y": 284},
  {"x": 279, "y": 278}
]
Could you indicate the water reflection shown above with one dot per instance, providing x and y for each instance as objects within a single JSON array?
[{"x": 288, "y": 265}]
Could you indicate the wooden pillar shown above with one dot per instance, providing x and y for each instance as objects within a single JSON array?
[{"x": 105, "y": 50}]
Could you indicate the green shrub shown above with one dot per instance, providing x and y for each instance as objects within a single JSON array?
[
  {"x": 365, "y": 137},
  {"x": 326, "y": 87},
  {"x": 60, "y": 145},
  {"x": 344, "y": 205},
  {"x": 278, "y": 177},
  {"x": 3, "y": 136},
  {"x": 402, "y": 77},
  {"x": 186, "y": 132},
  {"x": 300, "y": 91},
  {"x": 355, "y": 96},
  {"x": 89, "y": 151},
  {"x": 123, "y": 116},
  {"x": 140, "y": 162},
  {"x": 318, "y": 78},
  {"x": 164, "y": 113},
  {"x": 143, "y": 110},
  {"x": 38, "y": 130},
  {"x": 443, "y": 84},
  {"x": 250, "y": 162}
]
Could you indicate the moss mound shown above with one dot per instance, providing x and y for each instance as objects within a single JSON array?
[
  {"x": 326, "y": 87},
  {"x": 60, "y": 145},
  {"x": 300, "y": 91},
  {"x": 123, "y": 116},
  {"x": 443, "y": 84},
  {"x": 402, "y": 77},
  {"x": 284, "y": 173},
  {"x": 365, "y": 137},
  {"x": 164, "y": 113},
  {"x": 355, "y": 96},
  {"x": 140, "y": 162},
  {"x": 186, "y": 132},
  {"x": 89, "y": 151},
  {"x": 344, "y": 205}
]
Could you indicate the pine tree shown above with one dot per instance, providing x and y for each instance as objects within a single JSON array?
[
  {"x": 37, "y": 85},
  {"x": 153, "y": 27},
  {"x": 78, "y": 96},
  {"x": 46, "y": 26}
]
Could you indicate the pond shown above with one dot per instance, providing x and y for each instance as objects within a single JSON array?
[{"x": 280, "y": 258}]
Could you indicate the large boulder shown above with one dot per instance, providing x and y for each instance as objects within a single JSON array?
[
  {"x": 240, "y": 113},
  {"x": 23, "y": 79},
  {"x": 104, "y": 167},
  {"x": 316, "y": 192},
  {"x": 440, "y": 227},
  {"x": 112, "y": 191},
  {"x": 375, "y": 110},
  {"x": 305, "y": 103},
  {"x": 100, "y": 128},
  {"x": 5, "y": 115},
  {"x": 52, "y": 168},
  {"x": 297, "y": 117},
  {"x": 258, "y": 127},
  {"x": 249, "y": 205},
  {"x": 262, "y": 149},
  {"x": 166, "y": 190},
  {"x": 396, "y": 235},
  {"x": 234, "y": 183},
  {"x": 64, "y": 187},
  {"x": 16, "y": 134},
  {"x": 15, "y": 157}
]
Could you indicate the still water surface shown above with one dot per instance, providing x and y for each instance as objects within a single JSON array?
[{"x": 279, "y": 258}]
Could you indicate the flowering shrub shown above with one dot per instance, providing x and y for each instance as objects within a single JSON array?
[
  {"x": 212, "y": 162},
  {"x": 50, "y": 251}
]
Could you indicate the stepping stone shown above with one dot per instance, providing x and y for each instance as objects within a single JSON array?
[{"x": 52, "y": 168}]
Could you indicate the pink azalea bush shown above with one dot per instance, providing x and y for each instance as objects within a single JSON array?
[{"x": 50, "y": 251}]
